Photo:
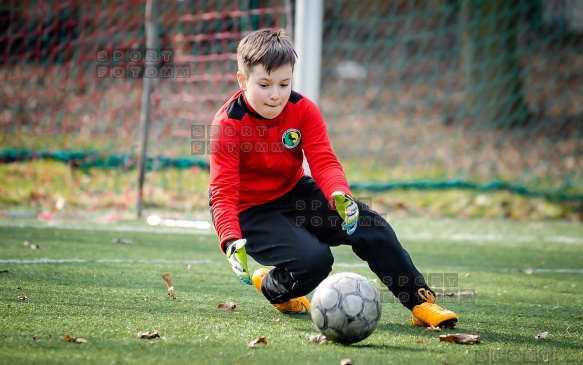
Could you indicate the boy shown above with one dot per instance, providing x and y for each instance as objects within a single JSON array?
[{"x": 263, "y": 205}]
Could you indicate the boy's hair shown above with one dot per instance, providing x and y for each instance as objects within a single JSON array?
[{"x": 272, "y": 48}]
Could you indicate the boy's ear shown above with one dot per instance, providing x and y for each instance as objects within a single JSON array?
[{"x": 241, "y": 80}]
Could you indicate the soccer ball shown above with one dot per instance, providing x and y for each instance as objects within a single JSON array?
[{"x": 346, "y": 308}]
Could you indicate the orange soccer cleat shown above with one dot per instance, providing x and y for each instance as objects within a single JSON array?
[
  {"x": 292, "y": 306},
  {"x": 430, "y": 314}
]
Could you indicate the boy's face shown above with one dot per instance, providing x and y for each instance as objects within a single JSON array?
[{"x": 267, "y": 93}]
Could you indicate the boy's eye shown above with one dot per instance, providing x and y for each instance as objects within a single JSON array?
[
  {"x": 263, "y": 85},
  {"x": 284, "y": 85}
]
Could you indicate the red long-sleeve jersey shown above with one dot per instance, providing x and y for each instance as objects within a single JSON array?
[{"x": 254, "y": 160}]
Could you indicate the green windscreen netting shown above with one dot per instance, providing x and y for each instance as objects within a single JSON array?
[
  {"x": 480, "y": 94},
  {"x": 416, "y": 94}
]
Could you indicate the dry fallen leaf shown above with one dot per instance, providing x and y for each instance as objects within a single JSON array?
[
  {"x": 461, "y": 338},
  {"x": 432, "y": 329},
  {"x": 148, "y": 334},
  {"x": 347, "y": 361},
  {"x": 69, "y": 338},
  {"x": 526, "y": 271},
  {"x": 467, "y": 292},
  {"x": 22, "y": 297},
  {"x": 456, "y": 293},
  {"x": 256, "y": 341},
  {"x": 228, "y": 306},
  {"x": 168, "y": 279},
  {"x": 123, "y": 241},
  {"x": 189, "y": 267},
  {"x": 420, "y": 341},
  {"x": 318, "y": 339},
  {"x": 542, "y": 336},
  {"x": 32, "y": 246},
  {"x": 4, "y": 271}
]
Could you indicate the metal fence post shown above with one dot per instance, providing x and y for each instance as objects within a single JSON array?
[
  {"x": 307, "y": 33},
  {"x": 151, "y": 35}
]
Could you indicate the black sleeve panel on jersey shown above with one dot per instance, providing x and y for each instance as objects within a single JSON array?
[
  {"x": 295, "y": 97},
  {"x": 237, "y": 110}
]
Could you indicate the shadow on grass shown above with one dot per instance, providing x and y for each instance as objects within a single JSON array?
[{"x": 304, "y": 323}]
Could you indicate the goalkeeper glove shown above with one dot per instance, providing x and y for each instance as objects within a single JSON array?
[
  {"x": 347, "y": 209},
  {"x": 237, "y": 256}
]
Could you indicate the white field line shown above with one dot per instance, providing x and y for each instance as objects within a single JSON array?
[
  {"x": 482, "y": 238},
  {"x": 102, "y": 261},
  {"x": 107, "y": 227},
  {"x": 465, "y": 238},
  {"x": 445, "y": 269},
  {"x": 461, "y": 238},
  {"x": 337, "y": 264}
]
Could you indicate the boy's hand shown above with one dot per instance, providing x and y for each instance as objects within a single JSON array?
[
  {"x": 347, "y": 209},
  {"x": 237, "y": 257}
]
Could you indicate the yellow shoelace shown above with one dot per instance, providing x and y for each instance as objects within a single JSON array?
[{"x": 428, "y": 297}]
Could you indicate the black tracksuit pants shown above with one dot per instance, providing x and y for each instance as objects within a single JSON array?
[{"x": 294, "y": 233}]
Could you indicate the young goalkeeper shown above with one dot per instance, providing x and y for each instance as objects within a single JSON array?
[{"x": 264, "y": 206}]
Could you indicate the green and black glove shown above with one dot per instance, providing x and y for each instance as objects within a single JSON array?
[
  {"x": 237, "y": 256},
  {"x": 347, "y": 209}
]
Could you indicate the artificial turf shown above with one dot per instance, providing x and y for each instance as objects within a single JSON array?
[{"x": 83, "y": 281}]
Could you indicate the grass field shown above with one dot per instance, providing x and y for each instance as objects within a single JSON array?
[{"x": 82, "y": 282}]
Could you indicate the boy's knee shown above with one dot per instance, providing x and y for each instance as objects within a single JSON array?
[{"x": 317, "y": 267}]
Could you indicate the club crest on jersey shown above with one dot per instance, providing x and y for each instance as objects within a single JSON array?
[{"x": 291, "y": 138}]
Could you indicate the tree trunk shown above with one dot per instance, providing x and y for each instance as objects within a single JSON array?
[{"x": 490, "y": 61}]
